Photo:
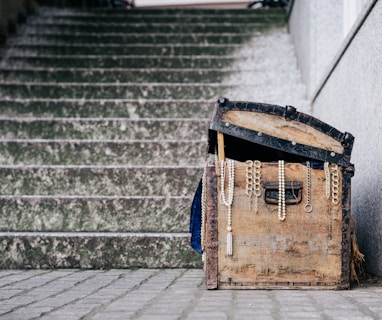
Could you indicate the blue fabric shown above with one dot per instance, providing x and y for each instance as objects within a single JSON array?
[
  {"x": 317, "y": 165},
  {"x": 196, "y": 219}
]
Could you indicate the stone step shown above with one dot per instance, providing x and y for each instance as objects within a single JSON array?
[
  {"x": 115, "y": 108},
  {"x": 103, "y": 129},
  {"x": 100, "y": 159},
  {"x": 90, "y": 250},
  {"x": 146, "y": 15},
  {"x": 113, "y": 75},
  {"x": 94, "y": 213},
  {"x": 9, "y": 90},
  {"x": 134, "y": 62},
  {"x": 138, "y": 27},
  {"x": 133, "y": 38},
  {"x": 99, "y": 180},
  {"x": 112, "y": 152},
  {"x": 122, "y": 49}
]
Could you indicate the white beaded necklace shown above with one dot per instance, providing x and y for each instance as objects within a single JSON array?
[
  {"x": 332, "y": 182},
  {"x": 308, "y": 205},
  {"x": 257, "y": 183},
  {"x": 253, "y": 182},
  {"x": 327, "y": 179},
  {"x": 335, "y": 184},
  {"x": 228, "y": 201},
  {"x": 281, "y": 212}
]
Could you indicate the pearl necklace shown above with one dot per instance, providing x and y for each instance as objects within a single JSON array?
[
  {"x": 335, "y": 184},
  {"x": 327, "y": 179},
  {"x": 332, "y": 182},
  {"x": 281, "y": 212},
  {"x": 253, "y": 182},
  {"x": 228, "y": 201},
  {"x": 308, "y": 206}
]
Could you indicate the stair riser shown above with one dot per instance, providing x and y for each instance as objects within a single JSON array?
[
  {"x": 120, "y": 62},
  {"x": 164, "y": 38},
  {"x": 112, "y": 76},
  {"x": 123, "y": 91},
  {"x": 119, "y": 129},
  {"x": 96, "y": 252},
  {"x": 95, "y": 215},
  {"x": 170, "y": 17},
  {"x": 103, "y": 153},
  {"x": 119, "y": 181},
  {"x": 180, "y": 27},
  {"x": 108, "y": 109},
  {"x": 126, "y": 49}
]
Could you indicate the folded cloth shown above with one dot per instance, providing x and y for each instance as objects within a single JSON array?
[{"x": 196, "y": 219}]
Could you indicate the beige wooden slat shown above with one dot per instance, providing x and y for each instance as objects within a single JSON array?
[{"x": 279, "y": 127}]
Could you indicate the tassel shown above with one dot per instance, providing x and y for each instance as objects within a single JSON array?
[
  {"x": 229, "y": 242},
  {"x": 357, "y": 257}
]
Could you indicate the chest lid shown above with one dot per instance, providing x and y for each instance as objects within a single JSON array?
[{"x": 269, "y": 133}]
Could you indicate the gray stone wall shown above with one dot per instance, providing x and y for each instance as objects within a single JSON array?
[{"x": 351, "y": 100}]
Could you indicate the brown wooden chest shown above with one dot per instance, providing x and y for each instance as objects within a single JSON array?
[{"x": 289, "y": 177}]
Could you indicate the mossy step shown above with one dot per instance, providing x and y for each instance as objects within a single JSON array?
[
  {"x": 178, "y": 27},
  {"x": 123, "y": 49},
  {"x": 159, "y": 15},
  {"x": 104, "y": 129},
  {"x": 134, "y": 62},
  {"x": 93, "y": 108},
  {"x": 90, "y": 152},
  {"x": 122, "y": 75},
  {"x": 99, "y": 180},
  {"x": 136, "y": 38},
  {"x": 113, "y": 90},
  {"x": 96, "y": 250},
  {"x": 94, "y": 214}
]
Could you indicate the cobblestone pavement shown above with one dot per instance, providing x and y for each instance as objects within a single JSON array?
[{"x": 168, "y": 294}]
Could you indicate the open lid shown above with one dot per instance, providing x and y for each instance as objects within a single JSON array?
[{"x": 267, "y": 132}]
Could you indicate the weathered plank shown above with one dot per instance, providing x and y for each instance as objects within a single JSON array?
[{"x": 279, "y": 127}]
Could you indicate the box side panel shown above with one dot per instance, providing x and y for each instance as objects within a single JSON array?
[
  {"x": 211, "y": 263},
  {"x": 303, "y": 251},
  {"x": 346, "y": 223}
]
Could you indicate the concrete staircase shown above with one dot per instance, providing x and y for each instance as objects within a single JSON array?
[{"x": 103, "y": 131}]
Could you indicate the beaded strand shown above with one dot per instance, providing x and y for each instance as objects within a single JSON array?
[
  {"x": 228, "y": 201},
  {"x": 281, "y": 212}
]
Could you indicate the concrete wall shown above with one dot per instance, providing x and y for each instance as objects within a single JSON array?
[
  {"x": 350, "y": 99},
  {"x": 316, "y": 30}
]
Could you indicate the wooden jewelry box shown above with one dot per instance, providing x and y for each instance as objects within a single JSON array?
[{"x": 276, "y": 199}]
